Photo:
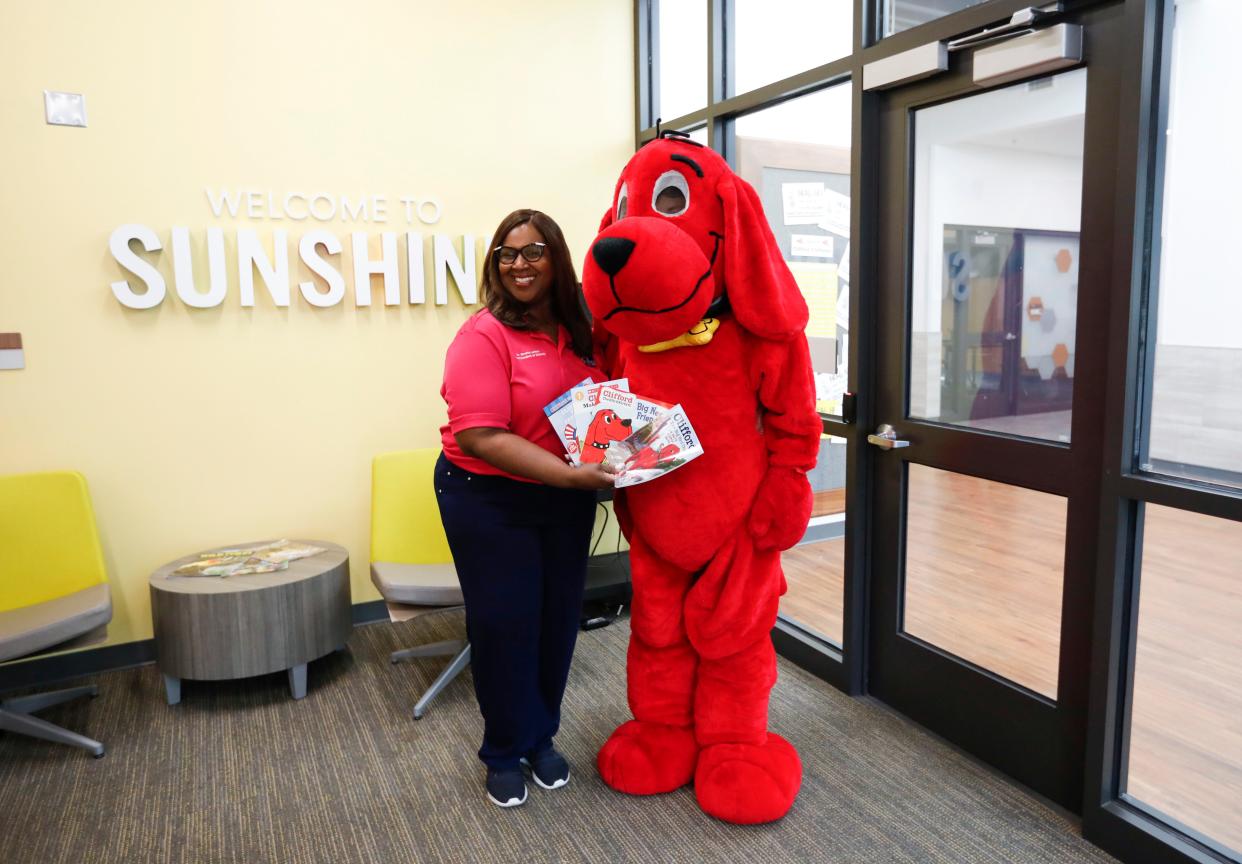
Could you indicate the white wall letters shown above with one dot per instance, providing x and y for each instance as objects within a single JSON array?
[
  {"x": 126, "y": 257},
  {"x": 321, "y": 206},
  {"x": 462, "y": 269},
  {"x": 386, "y": 266},
  {"x": 414, "y": 267},
  {"x": 319, "y": 251},
  {"x": 250, "y": 256},
  {"x": 308, "y": 250},
  {"x": 183, "y": 269}
]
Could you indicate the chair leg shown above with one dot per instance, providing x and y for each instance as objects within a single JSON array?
[
  {"x": 39, "y": 701},
  {"x": 431, "y": 649},
  {"x": 450, "y": 672},
  {"x": 172, "y": 689},
  {"x": 25, "y": 724}
]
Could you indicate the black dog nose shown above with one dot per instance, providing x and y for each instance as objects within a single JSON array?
[{"x": 611, "y": 253}]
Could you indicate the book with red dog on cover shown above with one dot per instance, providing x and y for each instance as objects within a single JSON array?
[
  {"x": 602, "y": 414},
  {"x": 560, "y": 413},
  {"x": 639, "y": 438}
]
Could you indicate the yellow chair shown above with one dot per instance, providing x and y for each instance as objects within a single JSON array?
[
  {"x": 53, "y": 587},
  {"x": 410, "y": 559}
]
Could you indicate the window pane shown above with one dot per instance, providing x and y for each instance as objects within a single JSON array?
[
  {"x": 984, "y": 569},
  {"x": 797, "y": 156},
  {"x": 815, "y": 568},
  {"x": 994, "y": 306},
  {"x": 1185, "y": 757},
  {"x": 683, "y": 57},
  {"x": 779, "y": 38},
  {"x": 903, "y": 14},
  {"x": 1196, "y": 413}
]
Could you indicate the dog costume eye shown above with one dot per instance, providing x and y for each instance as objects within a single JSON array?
[
  {"x": 623, "y": 198},
  {"x": 671, "y": 195}
]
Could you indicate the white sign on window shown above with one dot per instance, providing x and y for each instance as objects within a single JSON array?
[
  {"x": 803, "y": 203},
  {"x": 810, "y": 246},
  {"x": 836, "y": 213}
]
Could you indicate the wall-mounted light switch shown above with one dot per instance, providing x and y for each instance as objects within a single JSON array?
[
  {"x": 64, "y": 109},
  {"x": 11, "y": 354}
]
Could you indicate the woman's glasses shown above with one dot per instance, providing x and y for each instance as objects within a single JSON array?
[{"x": 531, "y": 252}]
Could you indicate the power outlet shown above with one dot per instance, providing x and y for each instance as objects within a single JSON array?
[{"x": 64, "y": 109}]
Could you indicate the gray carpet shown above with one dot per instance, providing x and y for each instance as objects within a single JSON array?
[{"x": 240, "y": 773}]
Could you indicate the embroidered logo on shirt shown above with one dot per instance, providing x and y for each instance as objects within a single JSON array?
[{"x": 527, "y": 355}]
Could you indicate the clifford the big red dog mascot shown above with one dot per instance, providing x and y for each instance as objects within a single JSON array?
[{"x": 696, "y": 306}]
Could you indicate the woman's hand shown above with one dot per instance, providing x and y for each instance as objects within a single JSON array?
[{"x": 592, "y": 477}]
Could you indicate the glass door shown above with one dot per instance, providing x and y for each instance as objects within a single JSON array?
[{"x": 993, "y": 235}]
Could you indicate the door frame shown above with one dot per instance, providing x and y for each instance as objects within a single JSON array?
[
  {"x": 1110, "y": 819},
  {"x": 1003, "y": 713}
]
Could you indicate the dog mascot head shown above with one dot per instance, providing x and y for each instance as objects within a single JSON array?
[{"x": 685, "y": 238}]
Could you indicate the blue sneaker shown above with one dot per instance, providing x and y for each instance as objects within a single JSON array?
[
  {"x": 548, "y": 767},
  {"x": 506, "y": 787}
]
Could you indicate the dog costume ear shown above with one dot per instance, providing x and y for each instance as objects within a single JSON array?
[
  {"x": 611, "y": 211},
  {"x": 764, "y": 296}
]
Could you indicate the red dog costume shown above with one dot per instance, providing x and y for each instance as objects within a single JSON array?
[{"x": 686, "y": 240}]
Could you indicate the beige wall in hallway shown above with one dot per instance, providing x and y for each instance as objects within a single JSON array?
[{"x": 197, "y": 427}]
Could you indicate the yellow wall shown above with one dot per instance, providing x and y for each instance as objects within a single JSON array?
[{"x": 203, "y": 427}]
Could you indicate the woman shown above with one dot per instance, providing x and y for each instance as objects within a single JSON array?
[{"x": 517, "y": 516}]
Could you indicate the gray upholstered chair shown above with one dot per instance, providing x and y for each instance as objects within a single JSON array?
[
  {"x": 53, "y": 588},
  {"x": 410, "y": 559}
]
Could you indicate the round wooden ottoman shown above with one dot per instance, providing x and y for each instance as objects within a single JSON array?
[{"x": 218, "y": 628}]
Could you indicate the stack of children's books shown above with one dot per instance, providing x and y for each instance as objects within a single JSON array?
[
  {"x": 247, "y": 560},
  {"x": 638, "y": 438}
]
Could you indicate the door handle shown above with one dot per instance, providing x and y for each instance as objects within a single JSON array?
[{"x": 885, "y": 438}]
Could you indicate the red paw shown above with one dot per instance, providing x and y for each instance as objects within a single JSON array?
[
  {"x": 648, "y": 758},
  {"x": 748, "y": 783}
]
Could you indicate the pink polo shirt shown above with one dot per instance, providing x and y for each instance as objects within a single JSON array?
[{"x": 501, "y": 378}]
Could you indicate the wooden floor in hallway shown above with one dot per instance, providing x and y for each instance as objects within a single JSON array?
[{"x": 983, "y": 582}]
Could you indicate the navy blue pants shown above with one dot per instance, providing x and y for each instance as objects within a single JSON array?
[{"x": 520, "y": 550}]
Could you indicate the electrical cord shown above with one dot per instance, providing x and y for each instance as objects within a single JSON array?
[
  {"x": 602, "y": 529},
  {"x": 604, "y": 620}
]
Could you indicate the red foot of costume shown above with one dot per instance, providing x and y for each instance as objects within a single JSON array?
[{"x": 686, "y": 234}]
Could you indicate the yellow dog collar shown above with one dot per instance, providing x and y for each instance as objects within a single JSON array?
[{"x": 696, "y": 337}]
